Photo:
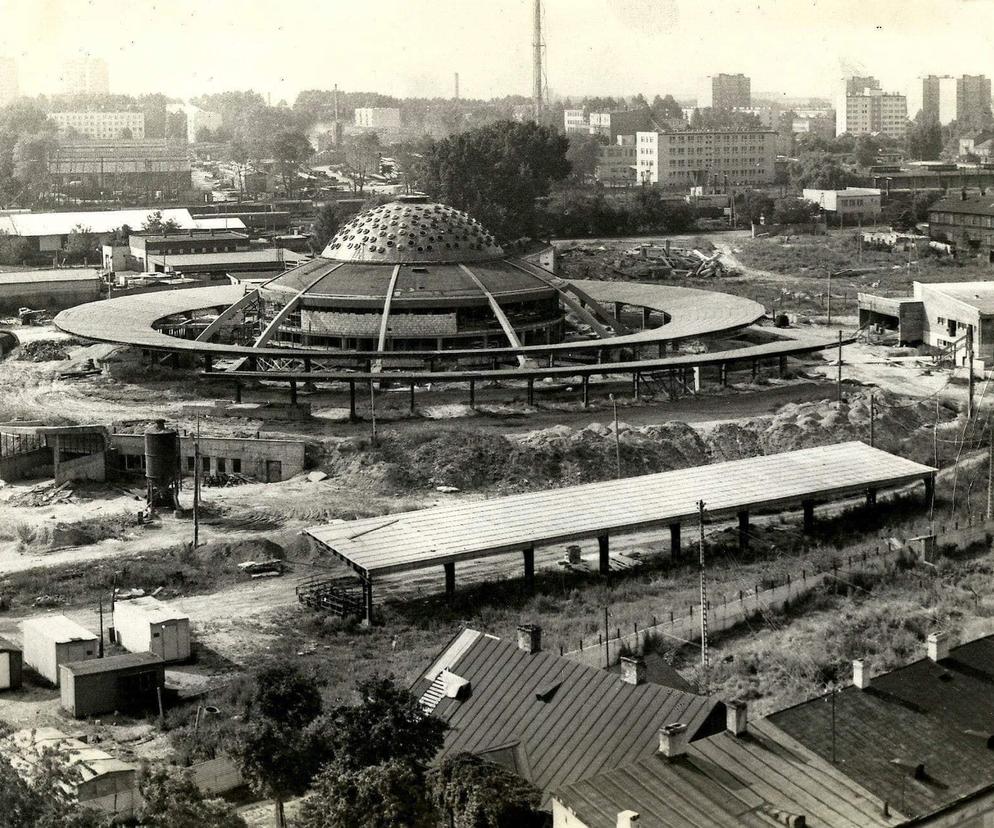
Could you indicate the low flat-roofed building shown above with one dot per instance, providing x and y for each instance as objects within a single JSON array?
[
  {"x": 268, "y": 258},
  {"x": 125, "y": 683},
  {"x": 50, "y": 289},
  {"x": 103, "y": 782},
  {"x": 144, "y": 166},
  {"x": 966, "y": 221},
  {"x": 187, "y": 242},
  {"x": 10, "y": 665},
  {"x": 850, "y": 204},
  {"x": 53, "y": 640},
  {"x": 148, "y": 625}
]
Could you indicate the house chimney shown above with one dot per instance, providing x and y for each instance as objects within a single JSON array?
[
  {"x": 938, "y": 646},
  {"x": 673, "y": 740},
  {"x": 860, "y": 674},
  {"x": 529, "y": 638},
  {"x": 736, "y": 717},
  {"x": 627, "y": 819},
  {"x": 633, "y": 670}
]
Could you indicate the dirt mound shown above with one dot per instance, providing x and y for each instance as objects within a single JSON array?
[{"x": 251, "y": 549}]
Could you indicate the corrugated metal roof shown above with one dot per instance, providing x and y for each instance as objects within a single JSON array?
[
  {"x": 552, "y": 719},
  {"x": 58, "y": 628},
  {"x": 940, "y": 715},
  {"x": 89, "y": 761},
  {"x": 235, "y": 257},
  {"x": 472, "y": 529},
  {"x": 97, "y": 221},
  {"x": 757, "y": 779},
  {"x": 152, "y": 608},
  {"x": 111, "y": 664},
  {"x": 23, "y": 277}
]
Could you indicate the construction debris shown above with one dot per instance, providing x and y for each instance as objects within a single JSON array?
[
  {"x": 44, "y": 494},
  {"x": 657, "y": 261},
  {"x": 263, "y": 569},
  {"x": 227, "y": 479}
]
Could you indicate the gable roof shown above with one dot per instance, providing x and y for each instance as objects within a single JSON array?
[
  {"x": 760, "y": 778},
  {"x": 974, "y": 205},
  {"x": 553, "y": 720},
  {"x": 938, "y": 714}
]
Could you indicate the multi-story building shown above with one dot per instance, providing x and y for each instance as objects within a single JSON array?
[
  {"x": 620, "y": 122},
  {"x": 197, "y": 120},
  {"x": 102, "y": 125},
  {"x": 973, "y": 101},
  {"x": 575, "y": 122},
  {"x": 8, "y": 81},
  {"x": 938, "y": 103},
  {"x": 84, "y": 76},
  {"x": 966, "y": 222},
  {"x": 868, "y": 110},
  {"x": 725, "y": 92},
  {"x": 700, "y": 157},
  {"x": 769, "y": 116},
  {"x": 377, "y": 117},
  {"x": 616, "y": 163}
]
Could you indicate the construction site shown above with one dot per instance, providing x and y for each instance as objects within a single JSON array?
[{"x": 196, "y": 482}]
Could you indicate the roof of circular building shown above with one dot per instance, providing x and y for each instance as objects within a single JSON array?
[{"x": 413, "y": 230}]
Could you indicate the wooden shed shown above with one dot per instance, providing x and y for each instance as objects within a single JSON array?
[
  {"x": 51, "y": 640},
  {"x": 147, "y": 625},
  {"x": 128, "y": 682}
]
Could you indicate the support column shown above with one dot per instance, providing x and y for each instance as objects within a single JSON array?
[
  {"x": 755, "y": 369},
  {"x": 586, "y": 390},
  {"x": 208, "y": 363},
  {"x": 450, "y": 578},
  {"x": 636, "y": 388},
  {"x": 743, "y": 530},
  {"x": 367, "y": 603},
  {"x": 662, "y": 348},
  {"x": 676, "y": 553},
  {"x": 723, "y": 368},
  {"x": 472, "y": 394},
  {"x": 604, "y": 547},
  {"x": 412, "y": 396},
  {"x": 529, "y": 556},
  {"x": 531, "y": 391},
  {"x": 783, "y": 365},
  {"x": 307, "y": 364},
  {"x": 293, "y": 392},
  {"x": 871, "y": 497},
  {"x": 353, "y": 418},
  {"x": 697, "y": 377},
  {"x": 646, "y": 314},
  {"x": 929, "y": 481},
  {"x": 618, "y": 307},
  {"x": 238, "y": 392},
  {"x": 809, "y": 515}
]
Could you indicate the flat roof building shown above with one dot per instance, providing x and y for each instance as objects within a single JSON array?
[
  {"x": 377, "y": 117},
  {"x": 53, "y": 640},
  {"x": 85, "y": 75},
  {"x": 101, "y": 125},
  {"x": 50, "y": 289},
  {"x": 11, "y": 659},
  {"x": 966, "y": 222},
  {"x": 863, "y": 108},
  {"x": 129, "y": 682},
  {"x": 850, "y": 204},
  {"x": 147, "y": 625},
  {"x": 703, "y": 157},
  {"x": 723, "y": 91}
]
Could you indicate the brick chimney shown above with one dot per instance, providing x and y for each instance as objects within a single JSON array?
[
  {"x": 736, "y": 717},
  {"x": 529, "y": 638},
  {"x": 627, "y": 819},
  {"x": 673, "y": 740},
  {"x": 860, "y": 674},
  {"x": 938, "y": 646},
  {"x": 633, "y": 670}
]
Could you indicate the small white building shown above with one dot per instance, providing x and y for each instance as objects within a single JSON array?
[
  {"x": 148, "y": 625},
  {"x": 51, "y": 640},
  {"x": 848, "y": 204},
  {"x": 377, "y": 117}
]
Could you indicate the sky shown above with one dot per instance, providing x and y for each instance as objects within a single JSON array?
[{"x": 413, "y": 47}]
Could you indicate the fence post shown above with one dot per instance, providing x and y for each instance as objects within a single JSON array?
[{"x": 671, "y": 616}]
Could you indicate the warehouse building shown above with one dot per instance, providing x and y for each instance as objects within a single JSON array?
[
  {"x": 939, "y": 315},
  {"x": 147, "y": 625},
  {"x": 53, "y": 640},
  {"x": 146, "y": 166},
  {"x": 50, "y": 289},
  {"x": 129, "y": 682}
]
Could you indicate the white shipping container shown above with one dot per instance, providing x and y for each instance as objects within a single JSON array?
[
  {"x": 51, "y": 640},
  {"x": 148, "y": 625}
]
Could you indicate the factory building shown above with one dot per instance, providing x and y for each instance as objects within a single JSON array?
[
  {"x": 131, "y": 682},
  {"x": 150, "y": 166},
  {"x": 53, "y": 640},
  {"x": 49, "y": 289}
]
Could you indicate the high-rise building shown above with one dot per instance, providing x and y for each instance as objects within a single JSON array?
[
  {"x": 8, "y": 81},
  {"x": 725, "y": 92},
  {"x": 938, "y": 102},
  {"x": 84, "y": 76},
  {"x": 973, "y": 101},
  {"x": 863, "y": 108}
]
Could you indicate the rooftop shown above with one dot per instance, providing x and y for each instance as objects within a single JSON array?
[
  {"x": 96, "y": 221},
  {"x": 407, "y": 541},
  {"x": 939, "y": 715},
  {"x": 974, "y": 205},
  {"x": 552, "y": 720},
  {"x": 17, "y": 277},
  {"x": 152, "y": 608},
  {"x": 58, "y": 628},
  {"x": 111, "y": 664},
  {"x": 979, "y": 295},
  {"x": 89, "y": 761}
]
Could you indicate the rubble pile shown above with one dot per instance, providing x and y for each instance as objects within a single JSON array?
[{"x": 647, "y": 261}]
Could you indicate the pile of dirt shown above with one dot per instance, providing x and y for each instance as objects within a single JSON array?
[
  {"x": 251, "y": 549},
  {"x": 43, "y": 350}
]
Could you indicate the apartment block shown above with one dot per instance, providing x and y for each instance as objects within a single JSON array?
[
  {"x": 377, "y": 117},
  {"x": 697, "y": 157},
  {"x": 84, "y": 76},
  {"x": 867, "y": 109},
  {"x": 102, "y": 125},
  {"x": 973, "y": 100},
  {"x": 939, "y": 95},
  {"x": 724, "y": 91}
]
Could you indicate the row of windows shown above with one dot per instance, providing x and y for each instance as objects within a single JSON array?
[{"x": 136, "y": 462}]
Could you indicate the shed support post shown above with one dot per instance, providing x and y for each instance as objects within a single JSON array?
[
  {"x": 529, "y": 555},
  {"x": 697, "y": 378},
  {"x": 929, "y": 481},
  {"x": 293, "y": 392},
  {"x": 646, "y": 313},
  {"x": 636, "y": 385},
  {"x": 208, "y": 363},
  {"x": 743, "y": 530},
  {"x": 783, "y": 366},
  {"x": 412, "y": 396},
  {"x": 352, "y": 415},
  {"x": 604, "y": 547},
  {"x": 367, "y": 602},
  {"x": 472, "y": 394},
  {"x": 871, "y": 497},
  {"x": 662, "y": 348},
  {"x": 618, "y": 307},
  {"x": 238, "y": 392},
  {"x": 450, "y": 577},
  {"x": 809, "y": 515},
  {"x": 675, "y": 551},
  {"x": 531, "y": 391},
  {"x": 755, "y": 369},
  {"x": 586, "y": 390},
  {"x": 723, "y": 368}
]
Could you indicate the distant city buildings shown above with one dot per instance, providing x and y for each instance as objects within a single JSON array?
[
  {"x": 863, "y": 108},
  {"x": 575, "y": 122},
  {"x": 377, "y": 117},
  {"x": 973, "y": 101},
  {"x": 136, "y": 166},
  {"x": 9, "y": 89},
  {"x": 703, "y": 156},
  {"x": 101, "y": 125},
  {"x": 939, "y": 99},
  {"x": 610, "y": 125},
  {"x": 84, "y": 76},
  {"x": 725, "y": 92},
  {"x": 966, "y": 100},
  {"x": 850, "y": 204},
  {"x": 197, "y": 120},
  {"x": 617, "y": 162}
]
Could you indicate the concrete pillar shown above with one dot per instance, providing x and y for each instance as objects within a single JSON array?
[
  {"x": 472, "y": 394},
  {"x": 636, "y": 387},
  {"x": 412, "y": 397},
  {"x": 662, "y": 348},
  {"x": 208, "y": 363},
  {"x": 238, "y": 392},
  {"x": 743, "y": 530},
  {"x": 529, "y": 556},
  {"x": 723, "y": 373},
  {"x": 871, "y": 497},
  {"x": 646, "y": 314},
  {"x": 586, "y": 390},
  {"x": 450, "y": 577},
  {"x": 697, "y": 377},
  {"x": 352, "y": 415},
  {"x": 675, "y": 551},
  {"x": 604, "y": 547},
  {"x": 531, "y": 391},
  {"x": 809, "y": 515},
  {"x": 782, "y": 365},
  {"x": 618, "y": 307},
  {"x": 307, "y": 364},
  {"x": 367, "y": 602},
  {"x": 293, "y": 392}
]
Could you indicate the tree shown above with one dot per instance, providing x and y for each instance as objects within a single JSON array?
[
  {"x": 470, "y": 792},
  {"x": 793, "y": 211},
  {"x": 387, "y": 724},
  {"x": 325, "y": 226},
  {"x": 866, "y": 151},
  {"x": 583, "y": 154},
  {"x": 120, "y": 236},
  {"x": 14, "y": 250},
  {"x": 924, "y": 139},
  {"x": 279, "y": 747},
  {"x": 290, "y": 149},
  {"x": 155, "y": 223},
  {"x": 45, "y": 800},
  {"x": 497, "y": 172},
  {"x": 818, "y": 170},
  {"x": 170, "y": 799},
  {"x": 126, "y": 133},
  {"x": 754, "y": 205},
  {"x": 80, "y": 243},
  {"x": 362, "y": 159},
  {"x": 388, "y": 795}
]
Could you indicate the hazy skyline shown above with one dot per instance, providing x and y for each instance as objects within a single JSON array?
[{"x": 412, "y": 47}]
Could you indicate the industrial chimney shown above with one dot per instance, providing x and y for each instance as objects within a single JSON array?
[{"x": 537, "y": 61}]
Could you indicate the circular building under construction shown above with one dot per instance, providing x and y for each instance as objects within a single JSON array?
[{"x": 412, "y": 276}]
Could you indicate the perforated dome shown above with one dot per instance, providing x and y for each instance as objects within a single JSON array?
[{"x": 413, "y": 230}]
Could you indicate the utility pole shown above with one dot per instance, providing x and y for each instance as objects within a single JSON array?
[
  {"x": 838, "y": 384},
  {"x": 196, "y": 487},
  {"x": 829, "y": 320},
  {"x": 617, "y": 438},
  {"x": 372, "y": 412},
  {"x": 990, "y": 476},
  {"x": 969, "y": 371},
  {"x": 873, "y": 417},
  {"x": 607, "y": 647},
  {"x": 705, "y": 660},
  {"x": 100, "y": 649}
]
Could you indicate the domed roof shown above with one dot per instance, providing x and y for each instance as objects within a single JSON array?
[{"x": 413, "y": 230}]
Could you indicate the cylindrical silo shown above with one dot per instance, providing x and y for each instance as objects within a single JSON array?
[{"x": 162, "y": 465}]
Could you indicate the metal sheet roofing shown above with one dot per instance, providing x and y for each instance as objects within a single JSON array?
[
  {"x": 151, "y": 608},
  {"x": 553, "y": 720},
  {"x": 110, "y": 664},
  {"x": 757, "y": 779},
  {"x": 22, "y": 277},
  {"x": 472, "y": 529},
  {"x": 938, "y": 714},
  {"x": 58, "y": 628},
  {"x": 97, "y": 221}
]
